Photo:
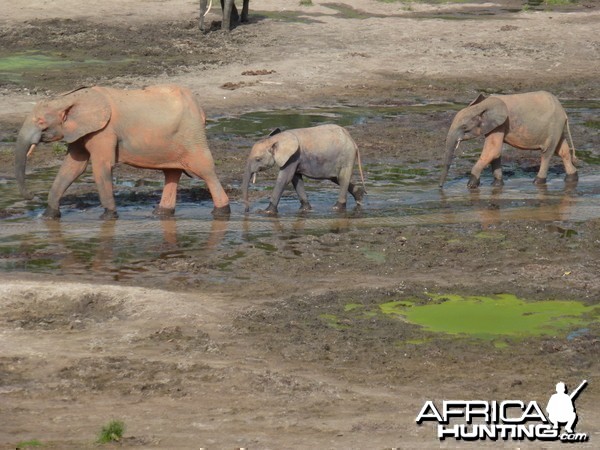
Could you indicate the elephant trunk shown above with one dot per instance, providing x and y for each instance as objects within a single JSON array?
[
  {"x": 245, "y": 184},
  {"x": 452, "y": 142},
  {"x": 28, "y": 138}
]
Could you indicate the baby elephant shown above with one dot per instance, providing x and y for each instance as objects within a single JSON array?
[
  {"x": 530, "y": 121},
  {"x": 322, "y": 152}
]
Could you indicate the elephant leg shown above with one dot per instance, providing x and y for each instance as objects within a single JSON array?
[
  {"x": 202, "y": 13},
  {"x": 245, "y": 8},
  {"x": 358, "y": 192},
  {"x": 203, "y": 166},
  {"x": 283, "y": 178},
  {"x": 492, "y": 149},
  {"x": 565, "y": 153},
  {"x": 102, "y": 151},
  {"x": 343, "y": 180},
  {"x": 168, "y": 200},
  {"x": 72, "y": 167},
  {"x": 497, "y": 171},
  {"x": 230, "y": 13},
  {"x": 298, "y": 183}
]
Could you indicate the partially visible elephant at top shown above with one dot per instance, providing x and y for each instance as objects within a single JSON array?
[
  {"x": 529, "y": 121},
  {"x": 231, "y": 17},
  {"x": 158, "y": 127},
  {"x": 325, "y": 152}
]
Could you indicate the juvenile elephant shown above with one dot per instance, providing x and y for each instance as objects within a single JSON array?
[
  {"x": 230, "y": 13},
  {"x": 159, "y": 127},
  {"x": 321, "y": 152},
  {"x": 530, "y": 121}
]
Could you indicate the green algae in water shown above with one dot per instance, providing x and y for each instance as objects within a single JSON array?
[{"x": 493, "y": 317}]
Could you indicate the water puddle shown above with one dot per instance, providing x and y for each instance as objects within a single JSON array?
[{"x": 261, "y": 123}]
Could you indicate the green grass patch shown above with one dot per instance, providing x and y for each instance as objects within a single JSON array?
[
  {"x": 111, "y": 432},
  {"x": 28, "y": 444}
]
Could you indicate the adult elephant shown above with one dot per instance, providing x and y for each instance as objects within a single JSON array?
[
  {"x": 159, "y": 127},
  {"x": 230, "y": 13}
]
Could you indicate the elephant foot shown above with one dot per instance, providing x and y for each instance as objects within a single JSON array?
[
  {"x": 473, "y": 182},
  {"x": 271, "y": 210},
  {"x": 267, "y": 212},
  {"x": 159, "y": 211},
  {"x": 539, "y": 181},
  {"x": 305, "y": 207},
  {"x": 51, "y": 213},
  {"x": 339, "y": 207},
  {"x": 572, "y": 177},
  {"x": 498, "y": 182},
  {"x": 359, "y": 195},
  {"x": 109, "y": 214},
  {"x": 221, "y": 213}
]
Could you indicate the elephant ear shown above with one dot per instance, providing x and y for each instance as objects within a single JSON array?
[
  {"x": 285, "y": 146},
  {"x": 83, "y": 112},
  {"x": 494, "y": 114},
  {"x": 479, "y": 99}
]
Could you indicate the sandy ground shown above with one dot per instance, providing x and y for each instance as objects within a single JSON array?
[{"x": 230, "y": 346}]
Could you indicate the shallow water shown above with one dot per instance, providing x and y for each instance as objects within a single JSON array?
[{"x": 397, "y": 196}]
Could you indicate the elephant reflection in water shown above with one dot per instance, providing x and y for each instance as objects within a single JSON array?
[
  {"x": 104, "y": 255},
  {"x": 488, "y": 210},
  {"x": 286, "y": 231}
]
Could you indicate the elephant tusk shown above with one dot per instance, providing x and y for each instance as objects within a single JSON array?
[
  {"x": 208, "y": 9},
  {"x": 30, "y": 151},
  {"x": 254, "y": 178}
]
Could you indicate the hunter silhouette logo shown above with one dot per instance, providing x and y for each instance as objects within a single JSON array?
[
  {"x": 560, "y": 406},
  {"x": 472, "y": 420}
]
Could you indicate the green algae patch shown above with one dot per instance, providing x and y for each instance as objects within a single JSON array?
[
  {"x": 493, "y": 317},
  {"x": 352, "y": 307}
]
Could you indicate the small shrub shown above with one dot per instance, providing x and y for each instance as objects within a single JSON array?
[{"x": 112, "y": 432}]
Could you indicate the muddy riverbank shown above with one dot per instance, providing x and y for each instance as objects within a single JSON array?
[{"x": 303, "y": 330}]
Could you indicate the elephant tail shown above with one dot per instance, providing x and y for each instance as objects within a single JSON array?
[
  {"x": 573, "y": 157},
  {"x": 362, "y": 176}
]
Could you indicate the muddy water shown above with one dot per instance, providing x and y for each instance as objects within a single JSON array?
[{"x": 397, "y": 196}]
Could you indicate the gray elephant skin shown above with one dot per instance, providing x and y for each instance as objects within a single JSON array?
[
  {"x": 529, "y": 121},
  {"x": 230, "y": 13},
  {"x": 321, "y": 152}
]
